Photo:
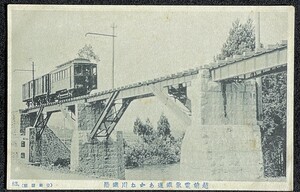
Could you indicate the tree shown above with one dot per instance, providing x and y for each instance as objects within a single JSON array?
[
  {"x": 273, "y": 130},
  {"x": 153, "y": 149},
  {"x": 138, "y": 127},
  {"x": 149, "y": 127},
  {"x": 163, "y": 126},
  {"x": 241, "y": 39},
  {"x": 274, "y": 90},
  {"x": 145, "y": 130},
  {"x": 87, "y": 52}
]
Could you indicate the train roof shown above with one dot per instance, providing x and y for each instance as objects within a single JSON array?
[{"x": 77, "y": 60}]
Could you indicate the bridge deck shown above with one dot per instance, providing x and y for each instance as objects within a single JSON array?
[
  {"x": 243, "y": 66},
  {"x": 134, "y": 91},
  {"x": 251, "y": 64}
]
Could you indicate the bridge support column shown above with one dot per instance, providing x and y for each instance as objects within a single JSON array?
[
  {"x": 100, "y": 157},
  {"x": 223, "y": 142},
  {"x": 74, "y": 156},
  {"x": 39, "y": 144},
  {"x": 29, "y": 145},
  {"x": 49, "y": 148}
]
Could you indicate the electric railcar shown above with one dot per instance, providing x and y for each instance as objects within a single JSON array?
[{"x": 71, "y": 79}]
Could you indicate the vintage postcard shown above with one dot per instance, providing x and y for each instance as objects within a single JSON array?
[{"x": 150, "y": 97}]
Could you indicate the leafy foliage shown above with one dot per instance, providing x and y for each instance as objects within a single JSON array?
[
  {"x": 154, "y": 147},
  {"x": 274, "y": 124},
  {"x": 87, "y": 52},
  {"x": 163, "y": 126},
  {"x": 241, "y": 38},
  {"x": 145, "y": 130},
  {"x": 273, "y": 130}
]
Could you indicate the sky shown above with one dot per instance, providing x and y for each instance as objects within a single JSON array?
[{"x": 151, "y": 42}]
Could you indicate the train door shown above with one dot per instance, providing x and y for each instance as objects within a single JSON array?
[
  {"x": 43, "y": 84},
  {"x": 31, "y": 89},
  {"x": 94, "y": 77},
  {"x": 71, "y": 73},
  {"x": 48, "y": 83}
]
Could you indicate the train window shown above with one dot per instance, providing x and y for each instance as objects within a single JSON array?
[
  {"x": 86, "y": 70},
  {"x": 43, "y": 83},
  {"x": 94, "y": 71},
  {"x": 78, "y": 70}
]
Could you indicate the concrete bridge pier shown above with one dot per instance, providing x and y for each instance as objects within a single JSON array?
[
  {"x": 100, "y": 157},
  {"x": 37, "y": 145},
  {"x": 223, "y": 142}
]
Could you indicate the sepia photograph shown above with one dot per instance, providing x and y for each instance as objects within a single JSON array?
[{"x": 150, "y": 97}]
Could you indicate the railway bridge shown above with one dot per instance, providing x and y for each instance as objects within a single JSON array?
[{"x": 220, "y": 104}]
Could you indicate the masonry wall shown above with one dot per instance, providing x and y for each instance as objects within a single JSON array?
[
  {"x": 101, "y": 158},
  {"x": 223, "y": 142},
  {"x": 27, "y": 120},
  {"x": 223, "y": 104},
  {"x": 88, "y": 115},
  {"x": 45, "y": 150},
  {"x": 15, "y": 135},
  {"x": 52, "y": 148},
  {"x": 33, "y": 152}
]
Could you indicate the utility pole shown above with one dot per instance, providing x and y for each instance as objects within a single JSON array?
[
  {"x": 257, "y": 32},
  {"x": 113, "y": 55},
  {"x": 113, "y": 50},
  {"x": 33, "y": 81}
]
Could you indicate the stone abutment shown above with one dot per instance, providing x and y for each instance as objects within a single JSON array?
[{"x": 223, "y": 141}]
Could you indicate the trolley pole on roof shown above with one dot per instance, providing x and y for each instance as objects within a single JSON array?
[
  {"x": 33, "y": 83},
  {"x": 113, "y": 50}
]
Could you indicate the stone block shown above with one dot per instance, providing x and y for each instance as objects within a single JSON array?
[
  {"x": 103, "y": 158},
  {"x": 225, "y": 153}
]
